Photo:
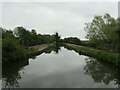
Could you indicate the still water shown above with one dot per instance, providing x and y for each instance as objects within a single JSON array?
[{"x": 61, "y": 68}]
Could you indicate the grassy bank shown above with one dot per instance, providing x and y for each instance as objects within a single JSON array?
[
  {"x": 24, "y": 53},
  {"x": 100, "y": 55},
  {"x": 35, "y": 50}
]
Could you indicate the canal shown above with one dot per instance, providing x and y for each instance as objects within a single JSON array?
[{"x": 61, "y": 68}]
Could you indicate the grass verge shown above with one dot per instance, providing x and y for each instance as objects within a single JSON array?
[
  {"x": 98, "y": 54},
  {"x": 36, "y": 50}
]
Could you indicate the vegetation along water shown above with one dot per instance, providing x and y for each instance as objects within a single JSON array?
[{"x": 98, "y": 58}]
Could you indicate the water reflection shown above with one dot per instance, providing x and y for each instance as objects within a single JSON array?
[
  {"x": 102, "y": 71},
  {"x": 11, "y": 74},
  {"x": 56, "y": 48}
]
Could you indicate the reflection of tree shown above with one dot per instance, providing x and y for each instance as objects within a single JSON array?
[
  {"x": 102, "y": 72},
  {"x": 55, "y": 48},
  {"x": 49, "y": 50},
  {"x": 11, "y": 73}
]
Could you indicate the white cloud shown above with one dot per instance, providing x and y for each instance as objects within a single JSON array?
[
  {"x": 59, "y": 0},
  {"x": 66, "y": 18}
]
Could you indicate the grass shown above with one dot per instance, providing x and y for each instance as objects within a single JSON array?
[
  {"x": 34, "y": 50},
  {"x": 98, "y": 54}
]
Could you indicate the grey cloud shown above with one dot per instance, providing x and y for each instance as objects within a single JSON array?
[{"x": 65, "y": 17}]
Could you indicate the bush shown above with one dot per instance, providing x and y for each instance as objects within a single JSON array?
[
  {"x": 12, "y": 51},
  {"x": 73, "y": 40},
  {"x": 107, "y": 56}
]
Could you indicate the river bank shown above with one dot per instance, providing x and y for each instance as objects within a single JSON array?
[
  {"x": 99, "y": 54},
  {"x": 35, "y": 50},
  {"x": 28, "y": 52}
]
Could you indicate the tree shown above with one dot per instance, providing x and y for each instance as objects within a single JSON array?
[
  {"x": 34, "y": 37},
  {"x": 102, "y": 30},
  {"x": 12, "y": 50},
  {"x": 57, "y": 37},
  {"x": 72, "y": 40},
  {"x": 24, "y": 35},
  {"x": 33, "y": 32},
  {"x": 118, "y": 32}
]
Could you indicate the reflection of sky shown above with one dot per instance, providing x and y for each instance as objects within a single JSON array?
[
  {"x": 65, "y": 69},
  {"x": 65, "y": 17},
  {"x": 54, "y": 62}
]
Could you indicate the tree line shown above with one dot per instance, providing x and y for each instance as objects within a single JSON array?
[
  {"x": 103, "y": 32},
  {"x": 15, "y": 42}
]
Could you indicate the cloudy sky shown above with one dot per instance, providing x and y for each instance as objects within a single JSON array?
[{"x": 67, "y": 18}]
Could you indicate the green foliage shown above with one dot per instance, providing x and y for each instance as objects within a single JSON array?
[
  {"x": 102, "y": 30},
  {"x": 118, "y": 32},
  {"x": 48, "y": 38},
  {"x": 24, "y": 36},
  {"x": 12, "y": 51},
  {"x": 28, "y": 38},
  {"x": 88, "y": 44},
  {"x": 107, "y": 56},
  {"x": 72, "y": 40},
  {"x": 16, "y": 43},
  {"x": 99, "y": 54}
]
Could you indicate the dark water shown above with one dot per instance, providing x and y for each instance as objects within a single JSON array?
[{"x": 61, "y": 68}]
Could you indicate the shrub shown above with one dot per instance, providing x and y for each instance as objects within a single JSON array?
[{"x": 12, "y": 51}]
